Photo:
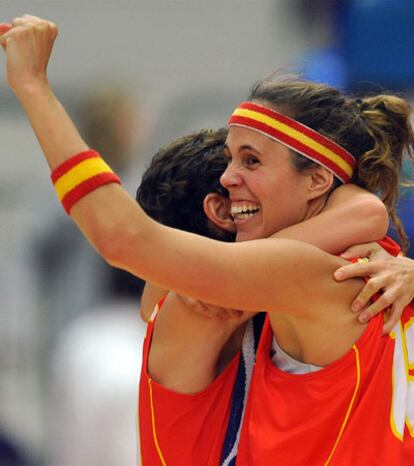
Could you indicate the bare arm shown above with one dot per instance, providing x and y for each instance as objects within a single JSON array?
[
  {"x": 230, "y": 275},
  {"x": 351, "y": 216}
]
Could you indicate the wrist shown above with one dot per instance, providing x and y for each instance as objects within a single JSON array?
[{"x": 32, "y": 90}]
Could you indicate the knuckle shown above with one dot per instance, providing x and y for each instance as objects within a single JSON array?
[
  {"x": 380, "y": 262},
  {"x": 381, "y": 301},
  {"x": 365, "y": 295},
  {"x": 382, "y": 304},
  {"x": 373, "y": 309},
  {"x": 372, "y": 285}
]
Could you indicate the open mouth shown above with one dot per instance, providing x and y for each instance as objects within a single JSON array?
[{"x": 245, "y": 211}]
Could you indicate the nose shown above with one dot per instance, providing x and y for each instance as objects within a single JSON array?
[{"x": 230, "y": 177}]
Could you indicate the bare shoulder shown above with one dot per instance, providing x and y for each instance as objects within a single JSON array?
[
  {"x": 307, "y": 277},
  {"x": 186, "y": 346},
  {"x": 151, "y": 296},
  {"x": 316, "y": 325}
]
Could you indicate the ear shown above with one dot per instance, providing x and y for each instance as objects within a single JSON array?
[
  {"x": 217, "y": 210},
  {"x": 320, "y": 182}
]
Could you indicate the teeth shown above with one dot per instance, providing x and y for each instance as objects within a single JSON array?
[
  {"x": 243, "y": 215},
  {"x": 244, "y": 211}
]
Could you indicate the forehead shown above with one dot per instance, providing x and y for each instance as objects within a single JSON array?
[{"x": 240, "y": 139}]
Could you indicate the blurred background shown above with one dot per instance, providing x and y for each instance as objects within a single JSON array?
[{"x": 134, "y": 74}]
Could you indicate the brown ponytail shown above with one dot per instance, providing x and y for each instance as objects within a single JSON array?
[{"x": 379, "y": 168}]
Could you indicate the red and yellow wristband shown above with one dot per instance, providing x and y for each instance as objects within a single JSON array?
[{"x": 80, "y": 175}]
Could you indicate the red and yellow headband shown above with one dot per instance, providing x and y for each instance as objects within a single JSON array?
[{"x": 296, "y": 136}]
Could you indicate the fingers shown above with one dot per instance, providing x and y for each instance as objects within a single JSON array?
[
  {"x": 360, "y": 250},
  {"x": 381, "y": 304},
  {"x": 389, "y": 275},
  {"x": 394, "y": 316},
  {"x": 28, "y": 45},
  {"x": 365, "y": 295},
  {"x": 359, "y": 269},
  {"x": 391, "y": 304},
  {"x": 33, "y": 18},
  {"x": 25, "y": 22},
  {"x": 22, "y": 20},
  {"x": 29, "y": 21},
  {"x": 210, "y": 310},
  {"x": 19, "y": 21}
]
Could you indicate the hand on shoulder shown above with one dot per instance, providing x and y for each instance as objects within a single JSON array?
[{"x": 392, "y": 276}]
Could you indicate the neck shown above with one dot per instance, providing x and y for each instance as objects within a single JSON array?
[{"x": 316, "y": 206}]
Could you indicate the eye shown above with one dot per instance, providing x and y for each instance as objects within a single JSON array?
[
  {"x": 227, "y": 156},
  {"x": 251, "y": 160}
]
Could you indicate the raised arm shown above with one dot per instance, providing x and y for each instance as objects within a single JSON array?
[{"x": 230, "y": 275}]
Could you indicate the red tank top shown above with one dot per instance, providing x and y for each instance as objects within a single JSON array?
[
  {"x": 357, "y": 411},
  {"x": 181, "y": 429}
]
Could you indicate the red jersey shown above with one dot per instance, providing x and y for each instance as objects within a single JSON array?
[
  {"x": 357, "y": 411},
  {"x": 181, "y": 429}
]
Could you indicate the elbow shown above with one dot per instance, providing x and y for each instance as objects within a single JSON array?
[
  {"x": 107, "y": 247},
  {"x": 124, "y": 244},
  {"x": 112, "y": 245},
  {"x": 376, "y": 217}
]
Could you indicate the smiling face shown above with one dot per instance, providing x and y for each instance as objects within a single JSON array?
[{"x": 267, "y": 193}]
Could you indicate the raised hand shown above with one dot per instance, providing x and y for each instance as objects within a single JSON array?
[{"x": 27, "y": 43}]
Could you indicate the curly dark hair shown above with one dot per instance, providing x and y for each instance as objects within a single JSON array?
[{"x": 179, "y": 177}]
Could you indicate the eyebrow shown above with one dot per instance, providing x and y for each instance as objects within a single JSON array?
[{"x": 243, "y": 147}]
